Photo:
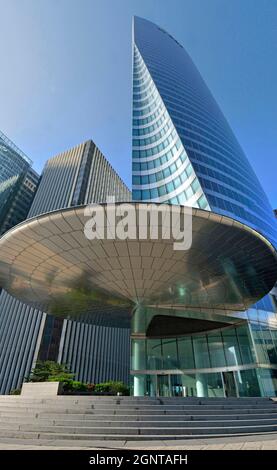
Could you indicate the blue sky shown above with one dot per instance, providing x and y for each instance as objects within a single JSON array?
[{"x": 66, "y": 72}]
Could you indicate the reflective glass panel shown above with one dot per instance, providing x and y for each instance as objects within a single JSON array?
[
  {"x": 200, "y": 347},
  {"x": 185, "y": 352}
]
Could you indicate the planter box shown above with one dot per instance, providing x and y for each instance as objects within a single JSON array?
[{"x": 41, "y": 389}]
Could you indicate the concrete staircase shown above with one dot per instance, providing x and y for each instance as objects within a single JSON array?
[{"x": 67, "y": 418}]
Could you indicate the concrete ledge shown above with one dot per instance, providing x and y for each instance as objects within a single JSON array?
[{"x": 39, "y": 389}]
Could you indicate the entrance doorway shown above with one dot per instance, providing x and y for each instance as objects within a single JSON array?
[
  {"x": 230, "y": 386},
  {"x": 163, "y": 387},
  {"x": 221, "y": 384},
  {"x": 176, "y": 386},
  {"x": 169, "y": 386}
]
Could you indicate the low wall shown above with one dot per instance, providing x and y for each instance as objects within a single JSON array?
[{"x": 39, "y": 389}]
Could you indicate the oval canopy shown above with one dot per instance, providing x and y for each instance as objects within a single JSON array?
[{"x": 49, "y": 263}]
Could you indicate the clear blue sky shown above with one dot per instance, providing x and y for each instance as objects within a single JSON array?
[{"x": 66, "y": 72}]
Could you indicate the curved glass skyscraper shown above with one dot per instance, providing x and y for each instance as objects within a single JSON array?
[{"x": 184, "y": 152}]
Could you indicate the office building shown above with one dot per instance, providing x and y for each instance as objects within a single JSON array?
[
  {"x": 95, "y": 351},
  {"x": 184, "y": 152},
  {"x": 18, "y": 184}
]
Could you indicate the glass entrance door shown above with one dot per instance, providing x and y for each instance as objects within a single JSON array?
[
  {"x": 176, "y": 385},
  {"x": 229, "y": 384},
  {"x": 163, "y": 387}
]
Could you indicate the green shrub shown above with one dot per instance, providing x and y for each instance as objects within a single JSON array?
[
  {"x": 50, "y": 371},
  {"x": 66, "y": 379},
  {"x": 103, "y": 387},
  {"x": 75, "y": 386},
  {"x": 112, "y": 387}
]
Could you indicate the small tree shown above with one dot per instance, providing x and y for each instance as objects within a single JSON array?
[{"x": 50, "y": 371}]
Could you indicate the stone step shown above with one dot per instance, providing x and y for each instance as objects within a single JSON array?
[
  {"x": 83, "y": 414},
  {"x": 125, "y": 418},
  {"x": 130, "y": 398},
  {"x": 40, "y": 424},
  {"x": 143, "y": 433},
  {"x": 85, "y": 420},
  {"x": 63, "y": 406},
  {"x": 110, "y": 405},
  {"x": 88, "y": 401}
]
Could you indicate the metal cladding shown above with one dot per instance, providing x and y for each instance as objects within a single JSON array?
[{"x": 48, "y": 263}]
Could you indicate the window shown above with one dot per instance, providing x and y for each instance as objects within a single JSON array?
[
  {"x": 159, "y": 176},
  {"x": 178, "y": 163},
  {"x": 216, "y": 350},
  {"x": 177, "y": 182},
  {"x": 154, "y": 354},
  {"x": 245, "y": 343},
  {"x": 189, "y": 192},
  {"x": 154, "y": 193},
  {"x": 185, "y": 353},
  {"x": 136, "y": 180},
  {"x": 172, "y": 168},
  {"x": 169, "y": 348},
  {"x": 166, "y": 172},
  {"x": 144, "y": 179},
  {"x": 152, "y": 178},
  {"x": 202, "y": 202},
  {"x": 162, "y": 190},
  {"x": 200, "y": 347},
  {"x": 189, "y": 170},
  {"x": 195, "y": 185},
  {"x": 170, "y": 187},
  {"x": 231, "y": 347},
  {"x": 137, "y": 195},
  {"x": 136, "y": 167},
  {"x": 182, "y": 198},
  {"x": 174, "y": 200}
]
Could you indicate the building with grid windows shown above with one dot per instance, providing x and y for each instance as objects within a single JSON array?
[{"x": 95, "y": 350}]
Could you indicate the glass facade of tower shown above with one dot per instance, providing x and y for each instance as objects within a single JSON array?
[
  {"x": 12, "y": 160},
  {"x": 184, "y": 152},
  {"x": 18, "y": 183},
  {"x": 161, "y": 169},
  {"x": 174, "y": 113}
]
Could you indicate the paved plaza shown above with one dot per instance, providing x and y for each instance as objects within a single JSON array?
[{"x": 259, "y": 442}]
